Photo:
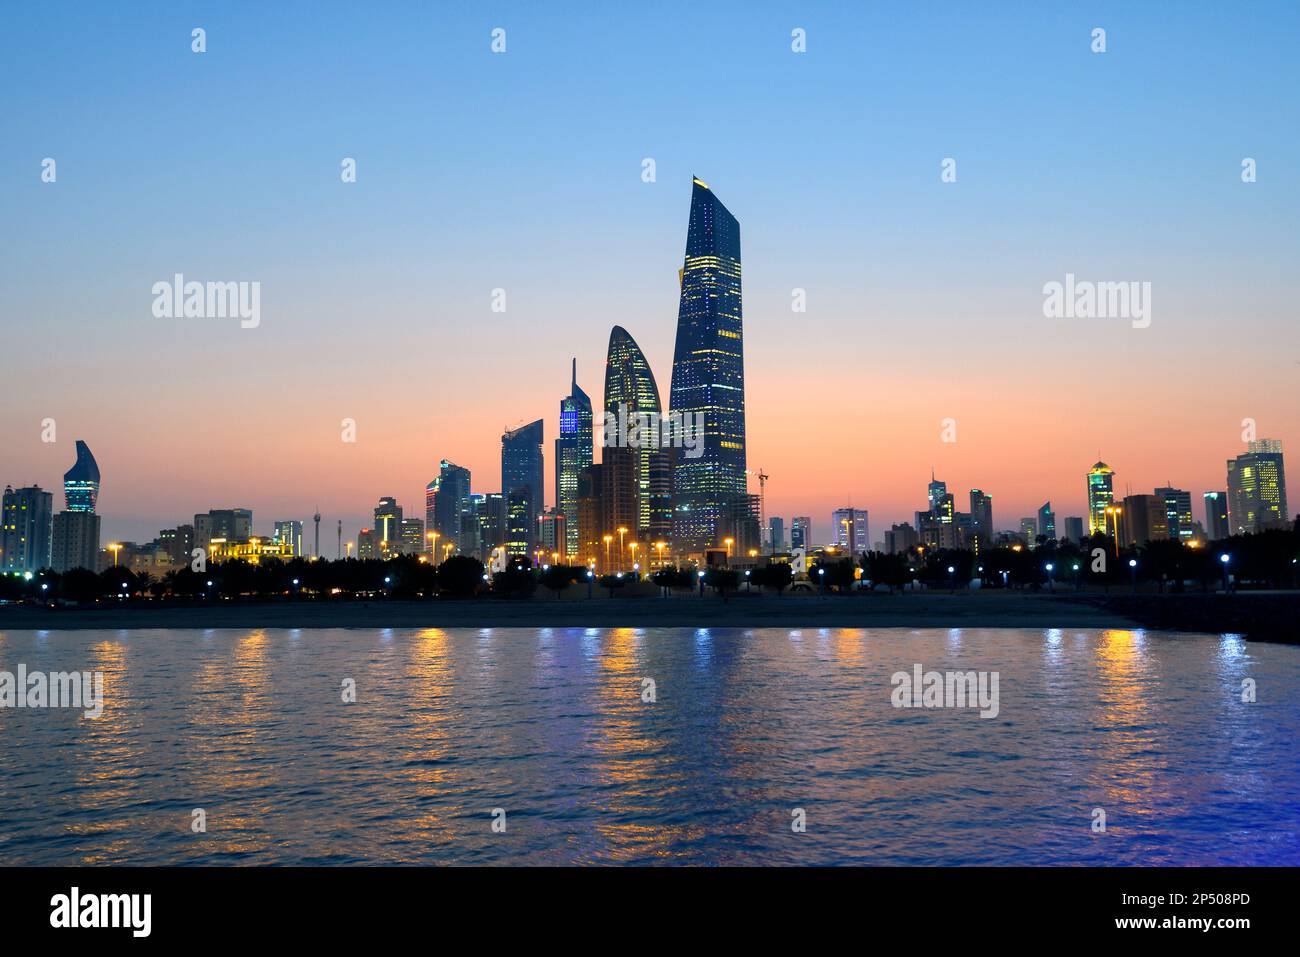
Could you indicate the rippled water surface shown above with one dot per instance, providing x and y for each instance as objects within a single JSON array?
[{"x": 550, "y": 726}]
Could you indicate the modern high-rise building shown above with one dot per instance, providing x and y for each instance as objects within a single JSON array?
[
  {"x": 388, "y": 522},
  {"x": 776, "y": 534},
  {"x": 849, "y": 529},
  {"x": 1178, "y": 513},
  {"x": 410, "y": 532},
  {"x": 1257, "y": 489},
  {"x": 1047, "y": 522},
  {"x": 491, "y": 510},
  {"x": 446, "y": 501},
  {"x": 590, "y": 516},
  {"x": 230, "y": 524},
  {"x": 573, "y": 453},
  {"x": 178, "y": 542},
  {"x": 75, "y": 541},
  {"x": 981, "y": 515},
  {"x": 1029, "y": 529},
  {"x": 935, "y": 492},
  {"x": 636, "y": 473},
  {"x": 709, "y": 376},
  {"x": 81, "y": 482},
  {"x": 800, "y": 532},
  {"x": 553, "y": 535},
  {"x": 1074, "y": 528},
  {"x": 523, "y": 485},
  {"x": 1216, "y": 516},
  {"x": 1144, "y": 519},
  {"x": 26, "y": 529},
  {"x": 1101, "y": 496},
  {"x": 289, "y": 532}
]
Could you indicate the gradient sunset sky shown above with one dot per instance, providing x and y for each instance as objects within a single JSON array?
[{"x": 523, "y": 171}]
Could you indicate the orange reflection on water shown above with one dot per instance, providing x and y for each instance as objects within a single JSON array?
[
  {"x": 628, "y": 754},
  {"x": 109, "y": 772},
  {"x": 231, "y": 706},
  {"x": 1131, "y": 764},
  {"x": 428, "y": 736}
]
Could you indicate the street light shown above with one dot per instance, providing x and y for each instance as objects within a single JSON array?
[
  {"x": 1114, "y": 511},
  {"x": 659, "y": 547},
  {"x": 1049, "y": 576},
  {"x": 1133, "y": 569},
  {"x": 1224, "y": 559},
  {"x": 728, "y": 542},
  {"x": 115, "y": 548},
  {"x": 433, "y": 546},
  {"x": 621, "y": 532},
  {"x": 633, "y": 547},
  {"x": 608, "y": 539}
]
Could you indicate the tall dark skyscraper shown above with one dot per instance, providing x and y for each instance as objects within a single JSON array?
[
  {"x": 523, "y": 483},
  {"x": 981, "y": 514},
  {"x": 636, "y": 473},
  {"x": 1047, "y": 522},
  {"x": 709, "y": 376},
  {"x": 1216, "y": 516},
  {"x": 81, "y": 482},
  {"x": 573, "y": 453},
  {"x": 447, "y": 501}
]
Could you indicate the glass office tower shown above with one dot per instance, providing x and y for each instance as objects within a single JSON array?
[
  {"x": 709, "y": 376},
  {"x": 637, "y": 467},
  {"x": 81, "y": 482},
  {"x": 523, "y": 484},
  {"x": 573, "y": 453}
]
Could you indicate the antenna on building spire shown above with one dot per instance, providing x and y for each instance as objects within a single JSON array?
[{"x": 575, "y": 372}]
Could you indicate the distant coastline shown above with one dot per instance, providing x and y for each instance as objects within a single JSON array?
[{"x": 1270, "y": 616}]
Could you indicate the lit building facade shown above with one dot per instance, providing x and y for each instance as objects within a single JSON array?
[
  {"x": 1257, "y": 489},
  {"x": 81, "y": 482},
  {"x": 289, "y": 532},
  {"x": 252, "y": 550},
  {"x": 573, "y": 453},
  {"x": 637, "y": 479},
  {"x": 523, "y": 484},
  {"x": 1101, "y": 496},
  {"x": 388, "y": 521},
  {"x": 708, "y": 378},
  {"x": 1178, "y": 513},
  {"x": 849, "y": 529},
  {"x": 26, "y": 529}
]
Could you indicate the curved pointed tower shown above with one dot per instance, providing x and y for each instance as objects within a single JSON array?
[{"x": 709, "y": 376}]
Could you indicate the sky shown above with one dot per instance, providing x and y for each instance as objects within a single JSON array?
[{"x": 522, "y": 171}]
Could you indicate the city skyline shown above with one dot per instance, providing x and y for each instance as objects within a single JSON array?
[{"x": 371, "y": 313}]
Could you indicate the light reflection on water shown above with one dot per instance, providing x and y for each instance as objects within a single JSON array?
[{"x": 550, "y": 725}]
